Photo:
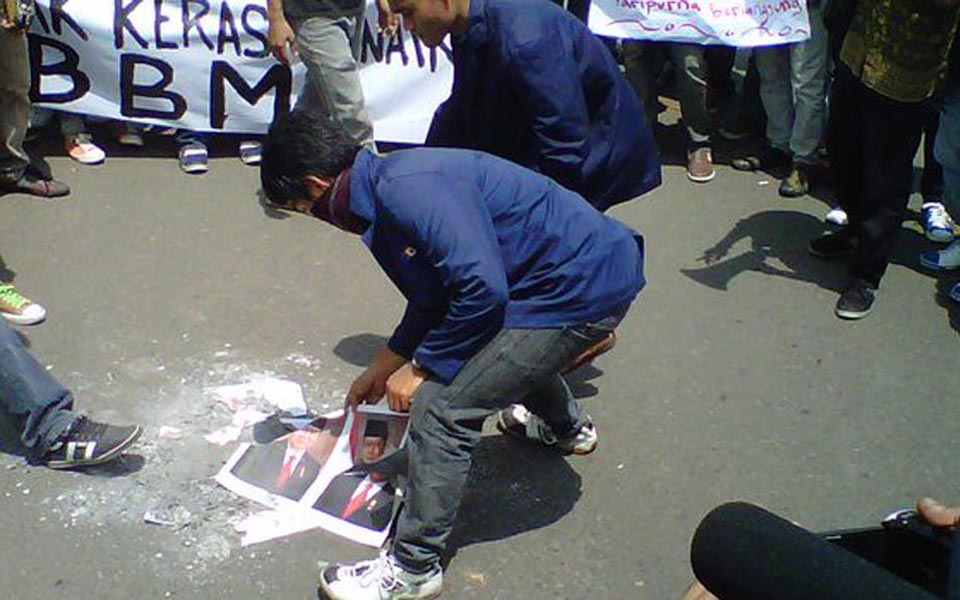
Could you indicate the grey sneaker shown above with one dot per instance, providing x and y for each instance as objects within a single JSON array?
[
  {"x": 380, "y": 579},
  {"x": 519, "y": 422}
]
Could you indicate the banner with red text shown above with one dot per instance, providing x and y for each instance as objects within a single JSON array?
[
  {"x": 203, "y": 65},
  {"x": 743, "y": 23}
]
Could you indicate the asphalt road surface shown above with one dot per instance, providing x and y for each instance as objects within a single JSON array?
[{"x": 731, "y": 381}]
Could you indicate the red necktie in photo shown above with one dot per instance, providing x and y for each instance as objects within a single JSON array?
[
  {"x": 285, "y": 471},
  {"x": 358, "y": 499}
]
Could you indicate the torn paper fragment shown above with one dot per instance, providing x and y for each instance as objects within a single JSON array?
[
  {"x": 169, "y": 433},
  {"x": 272, "y": 524},
  {"x": 224, "y": 435},
  {"x": 277, "y": 393}
]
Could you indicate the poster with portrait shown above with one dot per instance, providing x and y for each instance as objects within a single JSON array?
[{"x": 341, "y": 472}]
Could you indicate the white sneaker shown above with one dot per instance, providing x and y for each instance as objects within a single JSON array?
[
  {"x": 837, "y": 216},
  {"x": 521, "y": 423},
  {"x": 947, "y": 259},
  {"x": 937, "y": 225},
  {"x": 379, "y": 579}
]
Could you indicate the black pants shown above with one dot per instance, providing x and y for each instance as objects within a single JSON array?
[{"x": 873, "y": 141}]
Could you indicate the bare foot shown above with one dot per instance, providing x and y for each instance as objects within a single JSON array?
[{"x": 937, "y": 514}]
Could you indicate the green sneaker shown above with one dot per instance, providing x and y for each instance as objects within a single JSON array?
[{"x": 17, "y": 308}]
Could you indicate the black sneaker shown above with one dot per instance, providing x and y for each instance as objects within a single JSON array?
[
  {"x": 856, "y": 301},
  {"x": 831, "y": 246},
  {"x": 89, "y": 443},
  {"x": 766, "y": 160}
]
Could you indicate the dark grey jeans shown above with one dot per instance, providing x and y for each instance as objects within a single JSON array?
[
  {"x": 517, "y": 365},
  {"x": 30, "y": 395}
]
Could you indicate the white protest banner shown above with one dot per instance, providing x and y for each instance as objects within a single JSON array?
[
  {"x": 744, "y": 23},
  {"x": 203, "y": 65}
]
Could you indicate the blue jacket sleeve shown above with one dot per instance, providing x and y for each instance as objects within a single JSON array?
[
  {"x": 445, "y": 127},
  {"x": 412, "y": 329},
  {"x": 448, "y": 222},
  {"x": 551, "y": 94}
]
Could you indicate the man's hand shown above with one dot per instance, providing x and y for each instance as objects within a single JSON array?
[
  {"x": 402, "y": 385},
  {"x": 279, "y": 35},
  {"x": 386, "y": 18},
  {"x": 370, "y": 386}
]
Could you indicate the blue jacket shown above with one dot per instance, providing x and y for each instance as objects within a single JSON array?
[
  {"x": 476, "y": 244},
  {"x": 533, "y": 85}
]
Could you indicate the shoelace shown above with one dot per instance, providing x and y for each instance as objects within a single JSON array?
[
  {"x": 381, "y": 571},
  {"x": 11, "y": 296}
]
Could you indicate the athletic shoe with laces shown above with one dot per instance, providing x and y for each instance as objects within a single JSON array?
[
  {"x": 81, "y": 148},
  {"x": 380, "y": 579},
  {"x": 856, "y": 301},
  {"x": 88, "y": 443},
  {"x": 17, "y": 308},
  {"x": 947, "y": 259},
  {"x": 519, "y": 422},
  {"x": 937, "y": 225}
]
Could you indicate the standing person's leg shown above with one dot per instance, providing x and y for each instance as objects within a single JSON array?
[
  {"x": 773, "y": 69},
  {"x": 937, "y": 225},
  {"x": 38, "y": 404},
  {"x": 947, "y": 152},
  {"x": 845, "y": 126},
  {"x": 888, "y": 154},
  {"x": 16, "y": 174},
  {"x": 808, "y": 68},
  {"x": 691, "y": 77},
  {"x": 333, "y": 80},
  {"x": 445, "y": 426},
  {"x": 14, "y": 104}
]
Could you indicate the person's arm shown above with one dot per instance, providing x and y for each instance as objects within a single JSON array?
[
  {"x": 279, "y": 33},
  {"x": 547, "y": 83},
  {"x": 448, "y": 223}
]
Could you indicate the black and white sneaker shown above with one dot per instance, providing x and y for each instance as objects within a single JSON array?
[
  {"x": 520, "y": 423},
  {"x": 89, "y": 443},
  {"x": 856, "y": 301}
]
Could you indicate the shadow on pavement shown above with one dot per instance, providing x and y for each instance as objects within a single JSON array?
[
  {"x": 505, "y": 496},
  {"x": 359, "y": 349},
  {"x": 781, "y": 235}
]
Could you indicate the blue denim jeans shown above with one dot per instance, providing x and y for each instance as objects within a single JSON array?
[
  {"x": 445, "y": 424},
  {"x": 946, "y": 148},
  {"x": 38, "y": 404},
  {"x": 793, "y": 88}
]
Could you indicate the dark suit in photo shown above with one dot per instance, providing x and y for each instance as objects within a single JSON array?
[
  {"x": 341, "y": 499},
  {"x": 262, "y": 466}
]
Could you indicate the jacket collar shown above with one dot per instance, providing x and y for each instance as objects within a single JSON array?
[{"x": 361, "y": 191}]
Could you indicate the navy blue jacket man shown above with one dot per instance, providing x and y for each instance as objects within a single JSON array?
[
  {"x": 508, "y": 277},
  {"x": 533, "y": 85}
]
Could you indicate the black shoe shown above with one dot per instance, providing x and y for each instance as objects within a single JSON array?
[
  {"x": 771, "y": 158},
  {"x": 856, "y": 301},
  {"x": 831, "y": 246},
  {"x": 89, "y": 443}
]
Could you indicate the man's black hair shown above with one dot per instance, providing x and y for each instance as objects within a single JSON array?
[
  {"x": 302, "y": 143},
  {"x": 376, "y": 428}
]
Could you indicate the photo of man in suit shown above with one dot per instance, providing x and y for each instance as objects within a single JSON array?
[
  {"x": 289, "y": 465},
  {"x": 362, "y": 496}
]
